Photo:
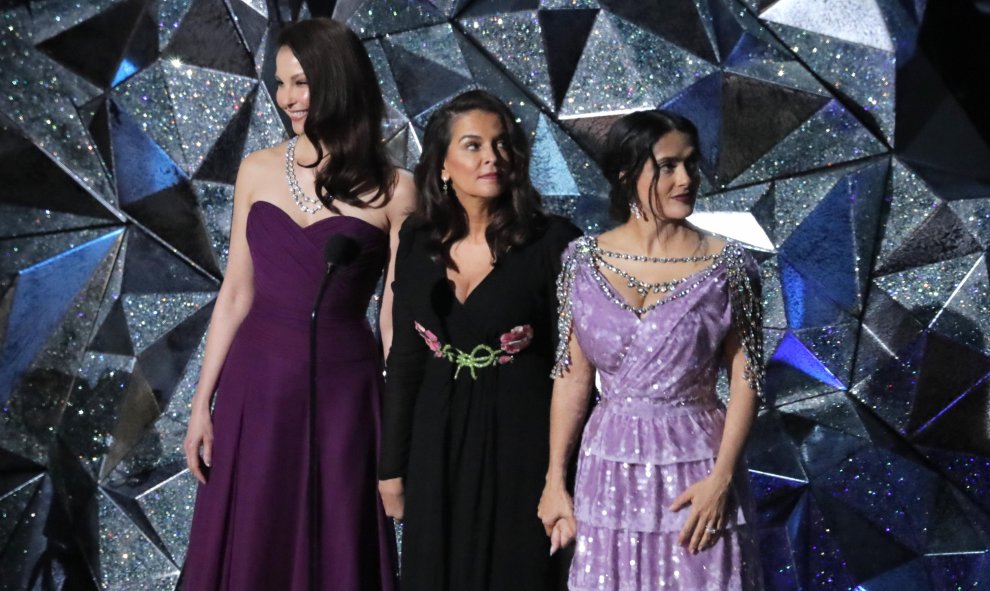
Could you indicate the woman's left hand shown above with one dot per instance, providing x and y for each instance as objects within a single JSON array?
[{"x": 708, "y": 499}]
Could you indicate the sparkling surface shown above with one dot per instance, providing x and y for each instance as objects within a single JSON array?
[
  {"x": 624, "y": 67},
  {"x": 515, "y": 37},
  {"x": 869, "y": 457}
]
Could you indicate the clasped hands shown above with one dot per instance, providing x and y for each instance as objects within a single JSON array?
[{"x": 707, "y": 498}]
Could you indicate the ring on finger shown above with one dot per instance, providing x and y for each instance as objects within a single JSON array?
[{"x": 711, "y": 530}]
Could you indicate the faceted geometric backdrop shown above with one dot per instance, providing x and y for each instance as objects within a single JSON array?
[{"x": 839, "y": 141}]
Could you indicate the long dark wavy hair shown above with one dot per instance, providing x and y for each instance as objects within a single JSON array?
[
  {"x": 629, "y": 147},
  {"x": 345, "y": 113},
  {"x": 516, "y": 215}
]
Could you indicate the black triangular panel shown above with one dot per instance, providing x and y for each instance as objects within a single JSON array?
[
  {"x": 164, "y": 361},
  {"x": 251, "y": 24},
  {"x": 208, "y": 38},
  {"x": 677, "y": 21},
  {"x": 590, "y": 132},
  {"x": 30, "y": 178},
  {"x": 755, "y": 117},
  {"x": 867, "y": 550},
  {"x": 173, "y": 214},
  {"x": 940, "y": 237},
  {"x": 113, "y": 336},
  {"x": 941, "y": 415},
  {"x": 564, "y": 35},
  {"x": 221, "y": 162},
  {"x": 94, "y": 48},
  {"x": 152, "y": 268},
  {"x": 410, "y": 70}
]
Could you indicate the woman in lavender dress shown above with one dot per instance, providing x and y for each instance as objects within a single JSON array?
[{"x": 656, "y": 307}]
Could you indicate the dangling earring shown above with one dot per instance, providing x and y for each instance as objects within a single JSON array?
[
  {"x": 635, "y": 210},
  {"x": 445, "y": 186}
]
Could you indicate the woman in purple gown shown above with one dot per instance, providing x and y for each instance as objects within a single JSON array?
[
  {"x": 251, "y": 526},
  {"x": 656, "y": 307}
]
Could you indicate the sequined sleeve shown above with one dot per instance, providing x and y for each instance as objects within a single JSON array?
[
  {"x": 565, "y": 313},
  {"x": 747, "y": 312}
]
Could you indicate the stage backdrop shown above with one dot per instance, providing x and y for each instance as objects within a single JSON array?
[{"x": 830, "y": 147}]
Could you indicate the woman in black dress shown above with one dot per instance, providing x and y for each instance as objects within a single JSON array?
[{"x": 467, "y": 399}]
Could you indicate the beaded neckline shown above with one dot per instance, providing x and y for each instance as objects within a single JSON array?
[{"x": 678, "y": 288}]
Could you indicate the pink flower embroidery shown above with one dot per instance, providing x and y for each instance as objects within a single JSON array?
[
  {"x": 516, "y": 339},
  {"x": 503, "y": 359},
  {"x": 431, "y": 339}
]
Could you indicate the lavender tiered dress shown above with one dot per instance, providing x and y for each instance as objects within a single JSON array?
[{"x": 657, "y": 427}]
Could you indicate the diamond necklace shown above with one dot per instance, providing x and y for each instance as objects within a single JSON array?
[
  {"x": 303, "y": 201},
  {"x": 643, "y": 287}
]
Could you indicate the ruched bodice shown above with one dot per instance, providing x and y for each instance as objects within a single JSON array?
[{"x": 289, "y": 264}]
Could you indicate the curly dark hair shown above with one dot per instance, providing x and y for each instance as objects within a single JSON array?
[
  {"x": 516, "y": 216},
  {"x": 345, "y": 112},
  {"x": 629, "y": 146}
]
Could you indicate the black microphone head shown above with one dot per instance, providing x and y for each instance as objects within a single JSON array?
[{"x": 341, "y": 250}]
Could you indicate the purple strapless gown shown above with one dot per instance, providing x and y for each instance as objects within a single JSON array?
[
  {"x": 655, "y": 431},
  {"x": 250, "y": 525}
]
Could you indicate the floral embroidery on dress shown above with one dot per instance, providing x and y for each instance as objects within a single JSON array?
[{"x": 481, "y": 356}]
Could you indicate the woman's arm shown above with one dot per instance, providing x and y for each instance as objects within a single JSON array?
[
  {"x": 401, "y": 205},
  {"x": 232, "y": 305},
  {"x": 568, "y": 407},
  {"x": 405, "y": 365},
  {"x": 709, "y": 497}
]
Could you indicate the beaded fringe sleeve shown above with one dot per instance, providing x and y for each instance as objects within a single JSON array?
[
  {"x": 565, "y": 290},
  {"x": 747, "y": 309},
  {"x": 747, "y": 314}
]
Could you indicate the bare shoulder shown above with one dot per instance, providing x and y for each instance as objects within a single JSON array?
[
  {"x": 262, "y": 161},
  {"x": 403, "y": 195},
  {"x": 610, "y": 239},
  {"x": 715, "y": 243}
]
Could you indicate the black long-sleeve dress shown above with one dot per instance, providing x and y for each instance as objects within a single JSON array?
[{"x": 473, "y": 449}]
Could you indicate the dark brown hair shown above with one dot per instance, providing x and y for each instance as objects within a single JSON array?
[
  {"x": 345, "y": 112},
  {"x": 629, "y": 146},
  {"x": 516, "y": 215}
]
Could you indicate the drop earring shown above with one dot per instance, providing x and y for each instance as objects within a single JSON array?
[
  {"x": 635, "y": 210},
  {"x": 445, "y": 186}
]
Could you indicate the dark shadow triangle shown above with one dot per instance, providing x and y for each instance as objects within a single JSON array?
[
  {"x": 208, "y": 38},
  {"x": 221, "y": 162},
  {"x": 677, "y": 21},
  {"x": 755, "y": 117},
  {"x": 564, "y": 35},
  {"x": 95, "y": 47},
  {"x": 940, "y": 237}
]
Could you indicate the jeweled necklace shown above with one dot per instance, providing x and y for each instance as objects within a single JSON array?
[
  {"x": 644, "y": 287},
  {"x": 303, "y": 201}
]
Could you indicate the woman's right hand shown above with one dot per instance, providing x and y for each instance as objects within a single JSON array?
[
  {"x": 556, "y": 511},
  {"x": 393, "y": 497},
  {"x": 199, "y": 434}
]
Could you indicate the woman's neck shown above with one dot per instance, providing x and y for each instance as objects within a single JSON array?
[
  {"x": 478, "y": 218},
  {"x": 663, "y": 238},
  {"x": 306, "y": 152}
]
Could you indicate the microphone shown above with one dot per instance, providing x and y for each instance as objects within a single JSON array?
[{"x": 339, "y": 251}]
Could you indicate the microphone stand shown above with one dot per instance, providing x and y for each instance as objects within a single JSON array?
[
  {"x": 340, "y": 251},
  {"x": 314, "y": 464}
]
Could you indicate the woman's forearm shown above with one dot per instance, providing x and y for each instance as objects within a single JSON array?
[
  {"x": 228, "y": 313},
  {"x": 567, "y": 411},
  {"x": 739, "y": 416}
]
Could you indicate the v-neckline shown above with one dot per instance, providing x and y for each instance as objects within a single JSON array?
[
  {"x": 623, "y": 302},
  {"x": 453, "y": 288}
]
